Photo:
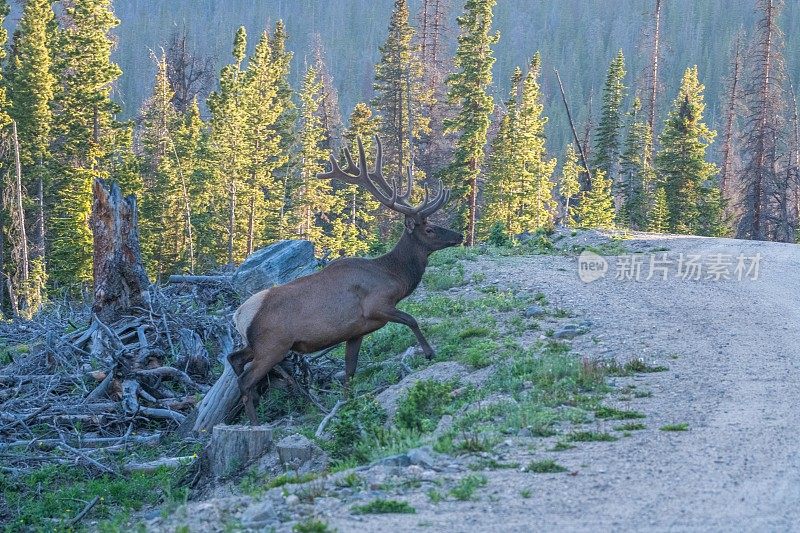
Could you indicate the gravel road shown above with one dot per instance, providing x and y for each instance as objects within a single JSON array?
[{"x": 733, "y": 349}]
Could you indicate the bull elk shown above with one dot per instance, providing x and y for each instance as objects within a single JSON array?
[{"x": 350, "y": 297}]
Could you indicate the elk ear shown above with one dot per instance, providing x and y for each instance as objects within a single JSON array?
[{"x": 410, "y": 224}]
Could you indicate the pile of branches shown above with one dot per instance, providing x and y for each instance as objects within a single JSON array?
[{"x": 77, "y": 388}]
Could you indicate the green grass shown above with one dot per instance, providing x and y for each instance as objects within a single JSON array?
[
  {"x": 610, "y": 413},
  {"x": 59, "y": 493},
  {"x": 351, "y": 480},
  {"x": 546, "y": 466},
  {"x": 254, "y": 484},
  {"x": 525, "y": 493},
  {"x": 435, "y": 496},
  {"x": 424, "y": 404},
  {"x": 590, "y": 436},
  {"x": 466, "y": 487},
  {"x": 635, "y": 366},
  {"x": 312, "y": 525},
  {"x": 682, "y": 426},
  {"x": 631, "y": 426},
  {"x": 381, "y": 506},
  {"x": 491, "y": 464},
  {"x": 561, "y": 446}
]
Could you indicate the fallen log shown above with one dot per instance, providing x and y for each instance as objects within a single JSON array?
[{"x": 165, "y": 462}]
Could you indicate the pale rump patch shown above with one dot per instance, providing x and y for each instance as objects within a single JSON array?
[{"x": 245, "y": 313}]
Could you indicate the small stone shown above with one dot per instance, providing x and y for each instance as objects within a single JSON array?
[
  {"x": 524, "y": 432},
  {"x": 292, "y": 500},
  {"x": 395, "y": 460},
  {"x": 534, "y": 310},
  {"x": 527, "y": 385},
  {"x": 568, "y": 331},
  {"x": 415, "y": 470},
  {"x": 260, "y": 514},
  {"x": 421, "y": 456}
]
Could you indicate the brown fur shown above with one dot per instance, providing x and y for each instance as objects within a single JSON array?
[{"x": 348, "y": 299}]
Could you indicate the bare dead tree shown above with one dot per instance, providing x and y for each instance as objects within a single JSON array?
[
  {"x": 581, "y": 150},
  {"x": 191, "y": 76},
  {"x": 329, "y": 110},
  {"x": 654, "y": 64},
  {"x": 731, "y": 112},
  {"x": 761, "y": 179},
  {"x": 433, "y": 32}
]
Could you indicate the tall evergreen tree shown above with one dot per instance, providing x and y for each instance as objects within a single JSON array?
[
  {"x": 400, "y": 93},
  {"x": 31, "y": 87},
  {"x": 681, "y": 161},
  {"x": 263, "y": 193},
  {"x": 86, "y": 131},
  {"x": 596, "y": 207},
  {"x": 606, "y": 141},
  {"x": 658, "y": 218},
  {"x": 569, "y": 186},
  {"x": 228, "y": 131},
  {"x": 165, "y": 222},
  {"x": 537, "y": 205},
  {"x": 636, "y": 170},
  {"x": 359, "y": 232},
  {"x": 467, "y": 89},
  {"x": 313, "y": 199}
]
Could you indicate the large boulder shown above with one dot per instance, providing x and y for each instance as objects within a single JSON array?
[{"x": 276, "y": 264}]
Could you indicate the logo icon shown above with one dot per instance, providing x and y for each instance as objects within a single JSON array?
[{"x": 591, "y": 266}]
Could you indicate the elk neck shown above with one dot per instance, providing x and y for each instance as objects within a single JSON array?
[{"x": 407, "y": 261}]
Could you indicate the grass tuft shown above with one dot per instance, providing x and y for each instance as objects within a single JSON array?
[
  {"x": 381, "y": 506},
  {"x": 466, "y": 487},
  {"x": 546, "y": 466},
  {"x": 682, "y": 426},
  {"x": 590, "y": 436},
  {"x": 610, "y": 413}
]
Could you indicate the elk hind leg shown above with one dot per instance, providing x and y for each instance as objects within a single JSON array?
[
  {"x": 239, "y": 358},
  {"x": 351, "y": 359},
  {"x": 264, "y": 359}
]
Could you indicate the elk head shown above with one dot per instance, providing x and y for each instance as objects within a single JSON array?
[{"x": 427, "y": 235}]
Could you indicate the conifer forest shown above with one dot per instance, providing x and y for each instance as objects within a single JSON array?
[{"x": 153, "y": 151}]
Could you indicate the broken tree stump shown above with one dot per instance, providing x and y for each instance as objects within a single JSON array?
[
  {"x": 233, "y": 447},
  {"x": 120, "y": 280}
]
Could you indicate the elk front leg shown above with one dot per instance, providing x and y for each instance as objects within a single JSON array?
[
  {"x": 351, "y": 359},
  {"x": 395, "y": 315}
]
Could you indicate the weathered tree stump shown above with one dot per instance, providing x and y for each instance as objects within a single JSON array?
[
  {"x": 120, "y": 281},
  {"x": 233, "y": 447},
  {"x": 219, "y": 402}
]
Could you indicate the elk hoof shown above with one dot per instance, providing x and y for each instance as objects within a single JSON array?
[{"x": 429, "y": 354}]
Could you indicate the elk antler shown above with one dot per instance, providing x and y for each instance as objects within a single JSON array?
[{"x": 392, "y": 197}]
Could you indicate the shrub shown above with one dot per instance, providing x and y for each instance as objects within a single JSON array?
[{"x": 423, "y": 405}]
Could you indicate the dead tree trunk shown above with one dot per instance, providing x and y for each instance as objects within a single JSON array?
[{"x": 120, "y": 281}]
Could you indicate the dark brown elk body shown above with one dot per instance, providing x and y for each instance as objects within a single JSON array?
[{"x": 349, "y": 298}]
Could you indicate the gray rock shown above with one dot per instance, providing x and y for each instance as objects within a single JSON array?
[
  {"x": 276, "y": 264},
  {"x": 259, "y": 514},
  {"x": 292, "y": 500},
  {"x": 395, "y": 460},
  {"x": 569, "y": 331},
  {"x": 525, "y": 433},
  {"x": 295, "y": 450},
  {"x": 444, "y": 425},
  {"x": 422, "y": 457},
  {"x": 534, "y": 310},
  {"x": 443, "y": 371}
]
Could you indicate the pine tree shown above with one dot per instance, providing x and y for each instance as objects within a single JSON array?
[
  {"x": 503, "y": 170},
  {"x": 313, "y": 199},
  {"x": 400, "y": 93},
  {"x": 636, "y": 170},
  {"x": 606, "y": 141},
  {"x": 467, "y": 89},
  {"x": 87, "y": 132},
  {"x": 569, "y": 186},
  {"x": 658, "y": 218},
  {"x": 227, "y": 139},
  {"x": 536, "y": 203},
  {"x": 263, "y": 193},
  {"x": 31, "y": 87},
  {"x": 681, "y": 162},
  {"x": 596, "y": 208},
  {"x": 284, "y": 126},
  {"x": 358, "y": 229},
  {"x": 165, "y": 221}
]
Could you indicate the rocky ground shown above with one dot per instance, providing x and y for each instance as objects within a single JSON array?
[{"x": 717, "y": 449}]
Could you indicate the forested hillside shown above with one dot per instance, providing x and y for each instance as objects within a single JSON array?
[
  {"x": 579, "y": 37},
  {"x": 653, "y": 115}
]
